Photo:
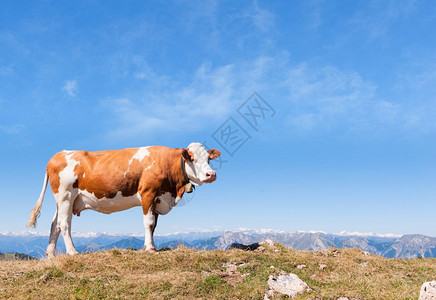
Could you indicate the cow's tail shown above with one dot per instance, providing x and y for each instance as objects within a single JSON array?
[{"x": 34, "y": 214}]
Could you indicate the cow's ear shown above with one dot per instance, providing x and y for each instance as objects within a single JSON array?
[
  {"x": 188, "y": 155},
  {"x": 213, "y": 153}
]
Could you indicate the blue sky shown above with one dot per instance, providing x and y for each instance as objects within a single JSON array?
[{"x": 351, "y": 145}]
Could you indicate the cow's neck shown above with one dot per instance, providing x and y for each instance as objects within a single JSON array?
[{"x": 175, "y": 176}]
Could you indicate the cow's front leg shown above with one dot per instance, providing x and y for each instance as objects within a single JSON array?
[{"x": 150, "y": 220}]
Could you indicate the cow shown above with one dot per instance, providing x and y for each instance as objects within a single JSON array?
[{"x": 154, "y": 177}]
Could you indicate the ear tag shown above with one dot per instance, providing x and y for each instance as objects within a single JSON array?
[{"x": 188, "y": 188}]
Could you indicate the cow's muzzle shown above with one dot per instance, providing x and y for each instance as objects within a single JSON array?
[{"x": 210, "y": 177}]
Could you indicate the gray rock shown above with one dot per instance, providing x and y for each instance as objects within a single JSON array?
[
  {"x": 428, "y": 291},
  {"x": 260, "y": 249},
  {"x": 268, "y": 242},
  {"x": 268, "y": 294},
  {"x": 43, "y": 277},
  {"x": 289, "y": 285}
]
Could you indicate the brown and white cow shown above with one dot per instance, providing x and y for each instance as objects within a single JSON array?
[{"x": 153, "y": 177}]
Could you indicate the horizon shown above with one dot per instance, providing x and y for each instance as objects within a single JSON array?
[
  {"x": 88, "y": 234},
  {"x": 343, "y": 137}
]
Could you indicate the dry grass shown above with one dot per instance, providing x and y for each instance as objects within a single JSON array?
[{"x": 191, "y": 274}]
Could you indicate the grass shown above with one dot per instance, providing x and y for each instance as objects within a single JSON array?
[{"x": 192, "y": 274}]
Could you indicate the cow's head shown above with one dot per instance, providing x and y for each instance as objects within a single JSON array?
[{"x": 197, "y": 163}]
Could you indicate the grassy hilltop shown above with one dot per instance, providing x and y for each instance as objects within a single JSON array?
[{"x": 193, "y": 274}]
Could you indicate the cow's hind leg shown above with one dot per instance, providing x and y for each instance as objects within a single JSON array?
[
  {"x": 54, "y": 235},
  {"x": 65, "y": 213}
]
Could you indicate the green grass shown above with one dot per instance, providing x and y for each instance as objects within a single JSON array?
[{"x": 192, "y": 274}]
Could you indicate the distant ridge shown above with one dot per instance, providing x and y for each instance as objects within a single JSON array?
[{"x": 386, "y": 245}]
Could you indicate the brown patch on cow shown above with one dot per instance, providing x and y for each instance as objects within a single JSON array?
[
  {"x": 104, "y": 172},
  {"x": 165, "y": 176},
  {"x": 55, "y": 165},
  {"x": 188, "y": 155}
]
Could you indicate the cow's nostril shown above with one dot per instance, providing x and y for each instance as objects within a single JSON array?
[{"x": 210, "y": 174}]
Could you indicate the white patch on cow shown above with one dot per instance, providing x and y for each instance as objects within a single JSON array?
[
  {"x": 87, "y": 200},
  {"x": 83, "y": 175},
  {"x": 165, "y": 203},
  {"x": 67, "y": 176},
  {"x": 139, "y": 155}
]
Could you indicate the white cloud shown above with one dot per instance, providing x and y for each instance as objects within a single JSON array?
[
  {"x": 314, "y": 13},
  {"x": 325, "y": 97},
  {"x": 70, "y": 88},
  {"x": 12, "y": 129},
  {"x": 379, "y": 16},
  {"x": 262, "y": 18},
  {"x": 170, "y": 106},
  {"x": 308, "y": 97},
  {"x": 6, "y": 70}
]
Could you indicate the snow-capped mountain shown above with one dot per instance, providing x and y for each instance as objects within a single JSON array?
[{"x": 387, "y": 245}]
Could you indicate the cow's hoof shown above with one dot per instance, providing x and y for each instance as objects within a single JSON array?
[
  {"x": 50, "y": 255},
  {"x": 152, "y": 250}
]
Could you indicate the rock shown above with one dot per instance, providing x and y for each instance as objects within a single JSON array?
[
  {"x": 364, "y": 264},
  {"x": 342, "y": 298},
  {"x": 43, "y": 277},
  {"x": 428, "y": 291},
  {"x": 289, "y": 285},
  {"x": 260, "y": 249},
  {"x": 272, "y": 267},
  {"x": 17, "y": 273},
  {"x": 268, "y": 294},
  {"x": 268, "y": 242},
  {"x": 231, "y": 265},
  {"x": 322, "y": 267},
  {"x": 276, "y": 250},
  {"x": 301, "y": 267},
  {"x": 231, "y": 270}
]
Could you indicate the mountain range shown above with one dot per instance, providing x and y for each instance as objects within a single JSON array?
[{"x": 390, "y": 246}]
